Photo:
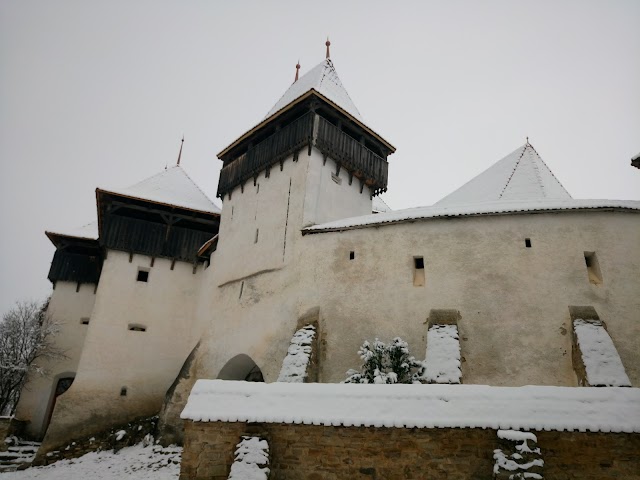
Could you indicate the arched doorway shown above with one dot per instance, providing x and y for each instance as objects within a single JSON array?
[
  {"x": 241, "y": 367},
  {"x": 60, "y": 385}
]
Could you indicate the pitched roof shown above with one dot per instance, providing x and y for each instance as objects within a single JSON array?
[
  {"x": 324, "y": 79},
  {"x": 520, "y": 176},
  {"x": 86, "y": 232},
  {"x": 170, "y": 187}
]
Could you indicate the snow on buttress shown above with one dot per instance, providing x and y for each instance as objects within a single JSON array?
[
  {"x": 599, "y": 355},
  {"x": 323, "y": 78},
  {"x": 442, "y": 363},
  {"x": 294, "y": 365},
  {"x": 251, "y": 460},
  {"x": 170, "y": 187},
  {"x": 417, "y": 405}
]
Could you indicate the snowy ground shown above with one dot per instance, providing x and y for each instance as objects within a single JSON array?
[{"x": 132, "y": 463}]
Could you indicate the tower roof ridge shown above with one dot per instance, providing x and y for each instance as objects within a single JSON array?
[
  {"x": 324, "y": 79},
  {"x": 520, "y": 176}
]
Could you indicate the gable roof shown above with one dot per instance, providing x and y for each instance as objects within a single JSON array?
[
  {"x": 171, "y": 187},
  {"x": 324, "y": 79},
  {"x": 520, "y": 176},
  {"x": 85, "y": 232}
]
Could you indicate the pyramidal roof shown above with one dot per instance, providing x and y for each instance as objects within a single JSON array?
[
  {"x": 172, "y": 187},
  {"x": 520, "y": 176},
  {"x": 324, "y": 79}
]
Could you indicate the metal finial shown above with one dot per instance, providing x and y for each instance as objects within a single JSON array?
[
  {"x": 297, "y": 71},
  {"x": 180, "y": 152},
  {"x": 528, "y": 141},
  {"x": 328, "y": 44}
]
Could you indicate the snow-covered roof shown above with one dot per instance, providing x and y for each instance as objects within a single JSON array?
[
  {"x": 172, "y": 187},
  {"x": 417, "y": 406},
  {"x": 379, "y": 205},
  {"x": 88, "y": 231},
  {"x": 322, "y": 78},
  {"x": 521, "y": 175},
  {"x": 487, "y": 208}
]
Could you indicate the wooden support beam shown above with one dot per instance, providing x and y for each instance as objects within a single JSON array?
[{"x": 173, "y": 263}]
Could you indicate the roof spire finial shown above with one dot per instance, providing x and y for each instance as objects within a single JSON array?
[
  {"x": 297, "y": 71},
  {"x": 328, "y": 44},
  {"x": 180, "y": 152},
  {"x": 528, "y": 140}
]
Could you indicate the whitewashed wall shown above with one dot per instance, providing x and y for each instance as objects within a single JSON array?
[
  {"x": 146, "y": 363},
  {"x": 67, "y": 307}
]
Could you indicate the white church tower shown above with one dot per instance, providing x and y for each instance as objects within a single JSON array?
[{"x": 311, "y": 160}]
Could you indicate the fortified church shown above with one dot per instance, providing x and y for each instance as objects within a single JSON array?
[{"x": 506, "y": 282}]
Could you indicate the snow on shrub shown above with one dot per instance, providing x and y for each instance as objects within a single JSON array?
[{"x": 385, "y": 363}]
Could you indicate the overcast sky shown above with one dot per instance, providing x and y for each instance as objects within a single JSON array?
[{"x": 99, "y": 94}]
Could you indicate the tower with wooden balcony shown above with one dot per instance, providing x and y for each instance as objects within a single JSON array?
[{"x": 311, "y": 160}]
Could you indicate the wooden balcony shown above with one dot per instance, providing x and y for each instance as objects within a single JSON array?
[{"x": 310, "y": 129}]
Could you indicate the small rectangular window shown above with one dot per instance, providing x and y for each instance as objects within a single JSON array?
[
  {"x": 136, "y": 327},
  {"x": 418, "y": 271},
  {"x": 593, "y": 268},
  {"x": 143, "y": 276},
  {"x": 527, "y": 242},
  {"x": 123, "y": 392},
  {"x": 352, "y": 255},
  {"x": 84, "y": 321}
]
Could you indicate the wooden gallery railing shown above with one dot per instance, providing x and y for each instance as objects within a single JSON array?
[{"x": 350, "y": 154}]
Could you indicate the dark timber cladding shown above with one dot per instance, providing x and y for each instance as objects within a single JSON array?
[
  {"x": 157, "y": 230},
  {"x": 316, "y": 123},
  {"x": 75, "y": 260}
]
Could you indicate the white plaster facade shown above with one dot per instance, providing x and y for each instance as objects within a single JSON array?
[
  {"x": 69, "y": 306},
  {"x": 269, "y": 270}
]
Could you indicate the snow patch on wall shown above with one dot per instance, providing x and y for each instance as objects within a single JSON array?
[
  {"x": 442, "y": 363},
  {"x": 520, "y": 461},
  {"x": 417, "y": 406},
  {"x": 294, "y": 365},
  {"x": 251, "y": 460},
  {"x": 599, "y": 355}
]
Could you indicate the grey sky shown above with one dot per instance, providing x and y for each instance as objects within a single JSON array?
[{"x": 99, "y": 94}]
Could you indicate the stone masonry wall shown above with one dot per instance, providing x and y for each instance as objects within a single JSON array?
[{"x": 308, "y": 452}]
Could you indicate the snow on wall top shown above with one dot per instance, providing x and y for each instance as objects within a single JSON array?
[
  {"x": 322, "y": 78},
  {"x": 173, "y": 187},
  {"x": 601, "y": 360},
  {"x": 88, "y": 231},
  {"x": 417, "y": 406},
  {"x": 487, "y": 208},
  {"x": 521, "y": 175}
]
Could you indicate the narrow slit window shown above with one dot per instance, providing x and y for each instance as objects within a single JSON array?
[
  {"x": 527, "y": 242},
  {"x": 418, "y": 271},
  {"x": 593, "y": 268},
  {"x": 257, "y": 233},
  {"x": 136, "y": 327},
  {"x": 352, "y": 255},
  {"x": 84, "y": 321},
  {"x": 143, "y": 276}
]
